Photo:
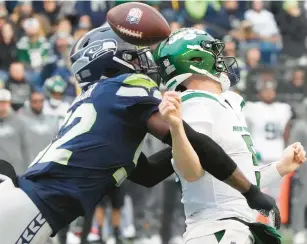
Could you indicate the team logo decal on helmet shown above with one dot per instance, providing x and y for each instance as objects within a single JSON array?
[
  {"x": 100, "y": 47},
  {"x": 93, "y": 51}
]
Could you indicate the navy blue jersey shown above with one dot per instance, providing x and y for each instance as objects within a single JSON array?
[{"x": 95, "y": 149}]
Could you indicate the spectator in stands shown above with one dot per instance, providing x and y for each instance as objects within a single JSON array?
[
  {"x": 33, "y": 50},
  {"x": 18, "y": 85},
  {"x": 295, "y": 91},
  {"x": 85, "y": 23},
  {"x": 55, "y": 104},
  {"x": 263, "y": 22},
  {"x": 64, "y": 26},
  {"x": 172, "y": 12},
  {"x": 195, "y": 12},
  {"x": 51, "y": 11},
  {"x": 97, "y": 10},
  {"x": 7, "y": 49},
  {"x": 256, "y": 78},
  {"x": 63, "y": 66},
  {"x": 228, "y": 18},
  {"x": 266, "y": 31},
  {"x": 3, "y": 14},
  {"x": 293, "y": 29},
  {"x": 12, "y": 144},
  {"x": 253, "y": 58},
  {"x": 22, "y": 11},
  {"x": 251, "y": 71},
  {"x": 41, "y": 128}
]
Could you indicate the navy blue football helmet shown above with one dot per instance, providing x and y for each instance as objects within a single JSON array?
[{"x": 102, "y": 54}]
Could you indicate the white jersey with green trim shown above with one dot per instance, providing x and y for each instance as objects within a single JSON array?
[
  {"x": 221, "y": 118},
  {"x": 267, "y": 123}
]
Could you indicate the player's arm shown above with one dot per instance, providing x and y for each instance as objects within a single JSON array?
[
  {"x": 154, "y": 169},
  {"x": 186, "y": 159},
  {"x": 293, "y": 157}
]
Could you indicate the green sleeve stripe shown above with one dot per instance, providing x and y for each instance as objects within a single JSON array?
[
  {"x": 140, "y": 80},
  {"x": 198, "y": 94},
  {"x": 242, "y": 104}
]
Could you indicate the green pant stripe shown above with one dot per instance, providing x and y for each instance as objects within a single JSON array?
[{"x": 219, "y": 235}]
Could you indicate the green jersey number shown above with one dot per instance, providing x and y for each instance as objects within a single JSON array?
[{"x": 250, "y": 146}]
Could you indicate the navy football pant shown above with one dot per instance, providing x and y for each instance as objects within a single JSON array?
[{"x": 20, "y": 220}]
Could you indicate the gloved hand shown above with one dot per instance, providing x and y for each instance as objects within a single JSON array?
[{"x": 264, "y": 203}]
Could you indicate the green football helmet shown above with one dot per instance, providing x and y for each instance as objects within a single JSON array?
[
  {"x": 55, "y": 84},
  {"x": 190, "y": 51}
]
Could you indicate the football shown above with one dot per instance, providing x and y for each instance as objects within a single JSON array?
[{"x": 138, "y": 23}]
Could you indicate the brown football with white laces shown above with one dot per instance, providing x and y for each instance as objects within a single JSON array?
[{"x": 138, "y": 23}]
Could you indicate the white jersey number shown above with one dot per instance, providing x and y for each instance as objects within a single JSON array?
[{"x": 86, "y": 114}]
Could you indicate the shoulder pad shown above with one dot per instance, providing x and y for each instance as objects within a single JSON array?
[
  {"x": 194, "y": 94},
  {"x": 235, "y": 99},
  {"x": 140, "y": 80}
]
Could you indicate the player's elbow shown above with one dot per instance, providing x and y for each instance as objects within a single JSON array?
[{"x": 193, "y": 176}]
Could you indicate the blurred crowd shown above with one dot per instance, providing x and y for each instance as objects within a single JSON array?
[{"x": 37, "y": 86}]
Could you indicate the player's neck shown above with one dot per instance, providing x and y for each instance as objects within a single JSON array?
[{"x": 208, "y": 85}]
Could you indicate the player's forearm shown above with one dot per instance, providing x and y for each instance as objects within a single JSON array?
[
  {"x": 186, "y": 159},
  {"x": 270, "y": 173}
]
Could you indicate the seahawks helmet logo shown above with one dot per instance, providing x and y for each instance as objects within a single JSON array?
[
  {"x": 99, "y": 48},
  {"x": 96, "y": 49}
]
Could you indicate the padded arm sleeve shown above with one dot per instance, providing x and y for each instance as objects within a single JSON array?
[
  {"x": 153, "y": 170},
  {"x": 212, "y": 157}
]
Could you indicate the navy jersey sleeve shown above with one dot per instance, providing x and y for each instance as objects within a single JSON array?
[{"x": 142, "y": 96}]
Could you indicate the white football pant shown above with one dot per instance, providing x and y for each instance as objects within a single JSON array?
[
  {"x": 20, "y": 220},
  {"x": 203, "y": 233}
]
